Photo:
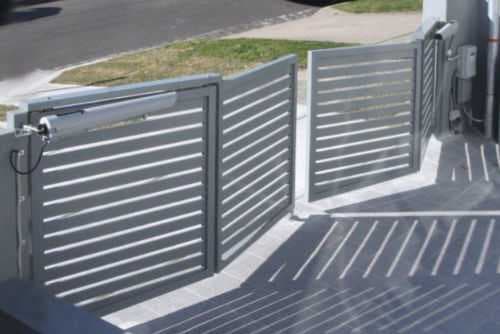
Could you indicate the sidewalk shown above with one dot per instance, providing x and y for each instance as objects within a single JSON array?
[{"x": 333, "y": 25}]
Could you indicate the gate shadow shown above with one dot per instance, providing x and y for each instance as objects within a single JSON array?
[
  {"x": 467, "y": 179},
  {"x": 376, "y": 261}
]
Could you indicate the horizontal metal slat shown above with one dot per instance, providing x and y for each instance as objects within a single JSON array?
[
  {"x": 355, "y": 147},
  {"x": 255, "y": 162},
  {"x": 238, "y": 233},
  {"x": 127, "y": 162},
  {"x": 234, "y": 247},
  {"x": 274, "y": 145},
  {"x": 373, "y": 91},
  {"x": 427, "y": 106},
  {"x": 323, "y": 191},
  {"x": 365, "y": 80},
  {"x": 131, "y": 129},
  {"x": 122, "y": 254},
  {"x": 187, "y": 87},
  {"x": 365, "y": 136},
  {"x": 364, "y": 69},
  {"x": 238, "y": 196},
  {"x": 255, "y": 135},
  {"x": 138, "y": 279},
  {"x": 245, "y": 150},
  {"x": 174, "y": 228},
  {"x": 97, "y": 231},
  {"x": 428, "y": 115},
  {"x": 260, "y": 93},
  {"x": 255, "y": 186},
  {"x": 125, "y": 177},
  {"x": 87, "y": 156},
  {"x": 154, "y": 185},
  {"x": 255, "y": 110},
  {"x": 365, "y": 125},
  {"x": 243, "y": 212},
  {"x": 358, "y": 105},
  {"x": 237, "y": 85},
  {"x": 242, "y": 181},
  {"x": 428, "y": 67},
  {"x": 427, "y": 102},
  {"x": 428, "y": 91},
  {"x": 352, "y": 55},
  {"x": 116, "y": 213},
  {"x": 428, "y": 51},
  {"x": 249, "y": 126},
  {"x": 428, "y": 83},
  {"x": 372, "y": 167},
  {"x": 360, "y": 115},
  {"x": 123, "y": 268},
  {"x": 367, "y": 157}
]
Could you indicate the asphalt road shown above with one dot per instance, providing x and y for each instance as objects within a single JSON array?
[{"x": 53, "y": 33}]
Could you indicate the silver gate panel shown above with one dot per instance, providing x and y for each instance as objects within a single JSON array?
[
  {"x": 125, "y": 210},
  {"x": 363, "y": 120},
  {"x": 256, "y": 154},
  {"x": 427, "y": 51}
]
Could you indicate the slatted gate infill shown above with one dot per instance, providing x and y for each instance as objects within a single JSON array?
[
  {"x": 427, "y": 49},
  {"x": 256, "y": 154},
  {"x": 123, "y": 212},
  {"x": 363, "y": 125}
]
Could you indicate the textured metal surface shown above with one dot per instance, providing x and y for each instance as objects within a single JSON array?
[
  {"x": 121, "y": 211},
  {"x": 427, "y": 99},
  {"x": 363, "y": 120},
  {"x": 256, "y": 154}
]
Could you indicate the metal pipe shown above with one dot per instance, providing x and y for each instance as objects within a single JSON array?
[
  {"x": 68, "y": 125},
  {"x": 493, "y": 40}
]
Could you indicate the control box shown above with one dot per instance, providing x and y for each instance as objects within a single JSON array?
[{"x": 467, "y": 62}]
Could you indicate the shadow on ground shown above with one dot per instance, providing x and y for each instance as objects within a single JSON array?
[{"x": 382, "y": 270}]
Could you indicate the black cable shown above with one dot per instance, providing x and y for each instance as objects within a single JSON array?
[{"x": 31, "y": 170}]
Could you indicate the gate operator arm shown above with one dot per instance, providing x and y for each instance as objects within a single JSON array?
[{"x": 56, "y": 127}]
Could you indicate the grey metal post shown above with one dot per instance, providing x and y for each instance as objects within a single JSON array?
[{"x": 417, "y": 105}]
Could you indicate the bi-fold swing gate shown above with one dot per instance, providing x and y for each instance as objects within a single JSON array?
[
  {"x": 372, "y": 113},
  {"x": 126, "y": 212}
]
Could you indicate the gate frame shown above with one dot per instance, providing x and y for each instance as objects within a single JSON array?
[
  {"x": 311, "y": 129},
  {"x": 292, "y": 61},
  {"x": 425, "y": 34},
  {"x": 26, "y": 115}
]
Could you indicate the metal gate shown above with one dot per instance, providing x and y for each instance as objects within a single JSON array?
[
  {"x": 427, "y": 54},
  {"x": 256, "y": 160},
  {"x": 124, "y": 212},
  {"x": 128, "y": 211},
  {"x": 363, "y": 121}
]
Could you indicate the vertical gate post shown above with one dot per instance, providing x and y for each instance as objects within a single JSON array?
[
  {"x": 311, "y": 128},
  {"x": 211, "y": 187},
  {"x": 22, "y": 160},
  {"x": 14, "y": 261},
  {"x": 417, "y": 105},
  {"x": 293, "y": 132}
]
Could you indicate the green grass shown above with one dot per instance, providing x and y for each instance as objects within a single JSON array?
[
  {"x": 3, "y": 111},
  {"x": 380, "y": 6},
  {"x": 226, "y": 56}
]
